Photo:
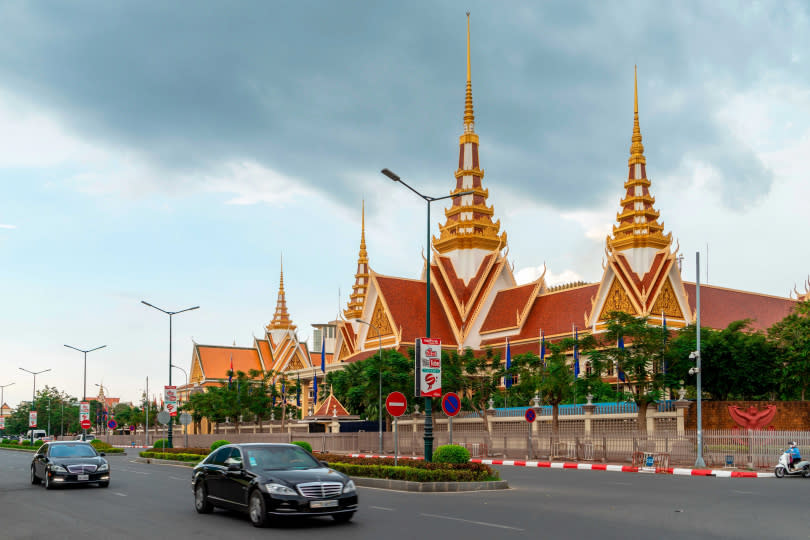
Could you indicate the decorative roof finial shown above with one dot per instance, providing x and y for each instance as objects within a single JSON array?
[
  {"x": 281, "y": 318},
  {"x": 636, "y": 148},
  {"x": 357, "y": 300},
  {"x": 469, "y": 116}
]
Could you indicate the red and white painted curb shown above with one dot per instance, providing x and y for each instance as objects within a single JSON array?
[{"x": 718, "y": 473}]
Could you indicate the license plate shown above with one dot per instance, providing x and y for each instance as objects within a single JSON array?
[
  {"x": 323, "y": 504},
  {"x": 83, "y": 477}
]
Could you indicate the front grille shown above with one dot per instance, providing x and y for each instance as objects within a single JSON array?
[
  {"x": 81, "y": 469},
  {"x": 317, "y": 490}
]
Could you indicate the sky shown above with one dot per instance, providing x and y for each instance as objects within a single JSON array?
[{"x": 176, "y": 152}]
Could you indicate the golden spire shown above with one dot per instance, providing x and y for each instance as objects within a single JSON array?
[
  {"x": 281, "y": 318},
  {"x": 638, "y": 221},
  {"x": 357, "y": 300},
  {"x": 636, "y": 148},
  {"x": 469, "y": 221}
]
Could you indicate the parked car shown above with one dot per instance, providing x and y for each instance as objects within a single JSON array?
[
  {"x": 87, "y": 438},
  {"x": 271, "y": 480},
  {"x": 40, "y": 434},
  {"x": 69, "y": 462}
]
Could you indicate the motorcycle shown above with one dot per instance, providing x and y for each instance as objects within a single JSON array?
[{"x": 783, "y": 467}]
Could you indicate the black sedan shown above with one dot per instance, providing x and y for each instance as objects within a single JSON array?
[
  {"x": 271, "y": 480},
  {"x": 69, "y": 462}
]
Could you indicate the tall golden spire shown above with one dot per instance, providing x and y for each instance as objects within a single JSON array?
[
  {"x": 357, "y": 300},
  {"x": 638, "y": 225},
  {"x": 281, "y": 318},
  {"x": 469, "y": 221}
]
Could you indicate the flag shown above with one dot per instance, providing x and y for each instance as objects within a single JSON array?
[
  {"x": 298, "y": 392},
  {"x": 315, "y": 388},
  {"x": 323, "y": 355},
  {"x": 230, "y": 372},
  {"x": 543, "y": 347},
  {"x": 508, "y": 378},
  {"x": 576, "y": 354},
  {"x": 619, "y": 372}
]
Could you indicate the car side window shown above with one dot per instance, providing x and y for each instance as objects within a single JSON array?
[
  {"x": 221, "y": 455},
  {"x": 43, "y": 450},
  {"x": 235, "y": 457}
]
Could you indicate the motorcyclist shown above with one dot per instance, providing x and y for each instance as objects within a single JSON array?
[{"x": 795, "y": 454}]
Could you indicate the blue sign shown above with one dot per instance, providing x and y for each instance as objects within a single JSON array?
[
  {"x": 112, "y": 424},
  {"x": 649, "y": 460},
  {"x": 530, "y": 415},
  {"x": 451, "y": 404}
]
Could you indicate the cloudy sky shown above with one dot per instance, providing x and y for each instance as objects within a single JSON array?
[{"x": 174, "y": 153}]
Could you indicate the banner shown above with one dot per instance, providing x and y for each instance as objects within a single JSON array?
[
  {"x": 428, "y": 368},
  {"x": 84, "y": 411},
  {"x": 2, "y": 422},
  {"x": 170, "y": 397},
  {"x": 32, "y": 419}
]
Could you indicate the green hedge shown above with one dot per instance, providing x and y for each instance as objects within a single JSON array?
[
  {"x": 29, "y": 448},
  {"x": 217, "y": 444},
  {"x": 160, "y": 443},
  {"x": 412, "y": 474},
  {"x": 303, "y": 444},
  {"x": 197, "y": 451},
  {"x": 191, "y": 458},
  {"x": 416, "y": 464},
  {"x": 451, "y": 453}
]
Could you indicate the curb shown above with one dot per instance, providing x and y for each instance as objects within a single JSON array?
[
  {"x": 717, "y": 473},
  {"x": 156, "y": 461},
  {"x": 428, "y": 487}
]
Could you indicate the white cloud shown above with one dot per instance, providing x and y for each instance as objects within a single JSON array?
[
  {"x": 252, "y": 183},
  {"x": 2, "y": 226},
  {"x": 531, "y": 273}
]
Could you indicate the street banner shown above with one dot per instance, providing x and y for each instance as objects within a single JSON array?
[
  {"x": 32, "y": 419},
  {"x": 2, "y": 423},
  {"x": 428, "y": 367},
  {"x": 170, "y": 398},
  {"x": 84, "y": 411}
]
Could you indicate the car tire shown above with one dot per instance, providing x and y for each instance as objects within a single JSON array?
[
  {"x": 344, "y": 517},
  {"x": 34, "y": 478},
  {"x": 257, "y": 510},
  {"x": 201, "y": 503},
  {"x": 47, "y": 481},
  {"x": 104, "y": 484}
]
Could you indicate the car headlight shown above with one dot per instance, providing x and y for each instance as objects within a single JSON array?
[
  {"x": 349, "y": 487},
  {"x": 103, "y": 467},
  {"x": 278, "y": 489},
  {"x": 57, "y": 468}
]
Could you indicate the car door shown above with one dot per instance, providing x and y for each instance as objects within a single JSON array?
[
  {"x": 39, "y": 460},
  {"x": 214, "y": 473},
  {"x": 235, "y": 483}
]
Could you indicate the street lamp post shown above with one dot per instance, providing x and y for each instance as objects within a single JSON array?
[
  {"x": 84, "y": 377},
  {"x": 170, "y": 428},
  {"x": 34, "y": 393},
  {"x": 2, "y": 395},
  {"x": 699, "y": 461},
  {"x": 379, "y": 402},
  {"x": 428, "y": 200},
  {"x": 185, "y": 426}
]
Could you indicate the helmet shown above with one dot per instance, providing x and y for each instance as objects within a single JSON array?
[{"x": 792, "y": 444}]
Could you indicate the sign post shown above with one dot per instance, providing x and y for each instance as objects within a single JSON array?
[
  {"x": 396, "y": 404},
  {"x": 428, "y": 382},
  {"x": 163, "y": 417},
  {"x": 530, "y": 417},
  {"x": 185, "y": 419},
  {"x": 84, "y": 417},
  {"x": 451, "y": 405}
]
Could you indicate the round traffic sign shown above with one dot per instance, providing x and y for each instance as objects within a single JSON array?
[
  {"x": 530, "y": 415},
  {"x": 396, "y": 403},
  {"x": 451, "y": 404},
  {"x": 185, "y": 418},
  {"x": 112, "y": 424},
  {"x": 163, "y": 417},
  {"x": 85, "y": 423}
]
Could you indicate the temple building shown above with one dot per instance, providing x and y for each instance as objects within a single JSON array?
[{"x": 475, "y": 301}]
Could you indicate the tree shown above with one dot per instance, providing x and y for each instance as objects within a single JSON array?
[
  {"x": 556, "y": 382},
  {"x": 791, "y": 338},
  {"x": 640, "y": 359}
]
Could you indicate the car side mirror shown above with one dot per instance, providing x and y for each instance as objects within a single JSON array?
[
  {"x": 234, "y": 467},
  {"x": 102, "y": 454},
  {"x": 325, "y": 464}
]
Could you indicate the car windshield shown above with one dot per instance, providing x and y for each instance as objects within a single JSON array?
[
  {"x": 72, "y": 450},
  {"x": 274, "y": 458}
]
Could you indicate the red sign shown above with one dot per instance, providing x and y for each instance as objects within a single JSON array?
[
  {"x": 112, "y": 424},
  {"x": 172, "y": 408},
  {"x": 530, "y": 415},
  {"x": 451, "y": 404},
  {"x": 396, "y": 403},
  {"x": 85, "y": 423},
  {"x": 32, "y": 419}
]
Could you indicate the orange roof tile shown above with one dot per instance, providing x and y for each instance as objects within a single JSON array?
[
  {"x": 405, "y": 299},
  {"x": 508, "y": 304},
  {"x": 719, "y": 307},
  {"x": 216, "y": 361},
  {"x": 264, "y": 349},
  {"x": 325, "y": 407}
]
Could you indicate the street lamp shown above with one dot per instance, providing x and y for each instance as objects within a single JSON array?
[
  {"x": 696, "y": 355},
  {"x": 2, "y": 395},
  {"x": 185, "y": 426},
  {"x": 169, "y": 313},
  {"x": 84, "y": 387},
  {"x": 379, "y": 402},
  {"x": 428, "y": 200},
  {"x": 34, "y": 393}
]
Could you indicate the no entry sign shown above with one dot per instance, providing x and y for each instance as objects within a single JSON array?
[
  {"x": 85, "y": 423},
  {"x": 530, "y": 415},
  {"x": 396, "y": 403},
  {"x": 451, "y": 404}
]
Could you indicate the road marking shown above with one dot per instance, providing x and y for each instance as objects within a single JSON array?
[
  {"x": 119, "y": 494},
  {"x": 484, "y": 523},
  {"x": 742, "y": 492},
  {"x": 181, "y": 479},
  {"x": 382, "y": 508},
  {"x": 621, "y": 483}
]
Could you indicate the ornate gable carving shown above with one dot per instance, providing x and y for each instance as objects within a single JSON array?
[
  {"x": 667, "y": 302},
  {"x": 295, "y": 363},
  {"x": 344, "y": 352},
  {"x": 196, "y": 372},
  {"x": 617, "y": 300},
  {"x": 380, "y": 320}
]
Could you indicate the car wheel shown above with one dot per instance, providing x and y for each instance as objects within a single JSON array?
[
  {"x": 48, "y": 484},
  {"x": 345, "y": 517},
  {"x": 104, "y": 484},
  {"x": 201, "y": 503},
  {"x": 34, "y": 478},
  {"x": 257, "y": 510},
  {"x": 779, "y": 472}
]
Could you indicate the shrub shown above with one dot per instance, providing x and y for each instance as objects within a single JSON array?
[
  {"x": 192, "y": 458},
  {"x": 478, "y": 468},
  {"x": 25, "y": 442},
  {"x": 303, "y": 444},
  {"x": 100, "y": 445},
  {"x": 217, "y": 444},
  {"x": 451, "y": 453},
  {"x": 160, "y": 443},
  {"x": 413, "y": 474},
  {"x": 197, "y": 451}
]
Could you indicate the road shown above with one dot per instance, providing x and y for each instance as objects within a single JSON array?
[{"x": 155, "y": 501}]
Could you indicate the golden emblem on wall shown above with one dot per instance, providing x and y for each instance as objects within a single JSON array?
[
  {"x": 667, "y": 302},
  {"x": 380, "y": 320},
  {"x": 617, "y": 300}
]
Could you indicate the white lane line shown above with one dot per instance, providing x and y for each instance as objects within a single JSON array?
[
  {"x": 382, "y": 508},
  {"x": 181, "y": 479},
  {"x": 483, "y": 523},
  {"x": 119, "y": 494},
  {"x": 742, "y": 492}
]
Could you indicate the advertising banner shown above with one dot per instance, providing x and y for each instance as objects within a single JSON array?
[
  {"x": 84, "y": 411},
  {"x": 170, "y": 399},
  {"x": 32, "y": 419},
  {"x": 2, "y": 422},
  {"x": 428, "y": 368}
]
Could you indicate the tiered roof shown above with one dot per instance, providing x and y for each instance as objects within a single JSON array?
[
  {"x": 357, "y": 300},
  {"x": 281, "y": 318}
]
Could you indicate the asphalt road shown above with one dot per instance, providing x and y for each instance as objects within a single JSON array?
[{"x": 155, "y": 501}]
